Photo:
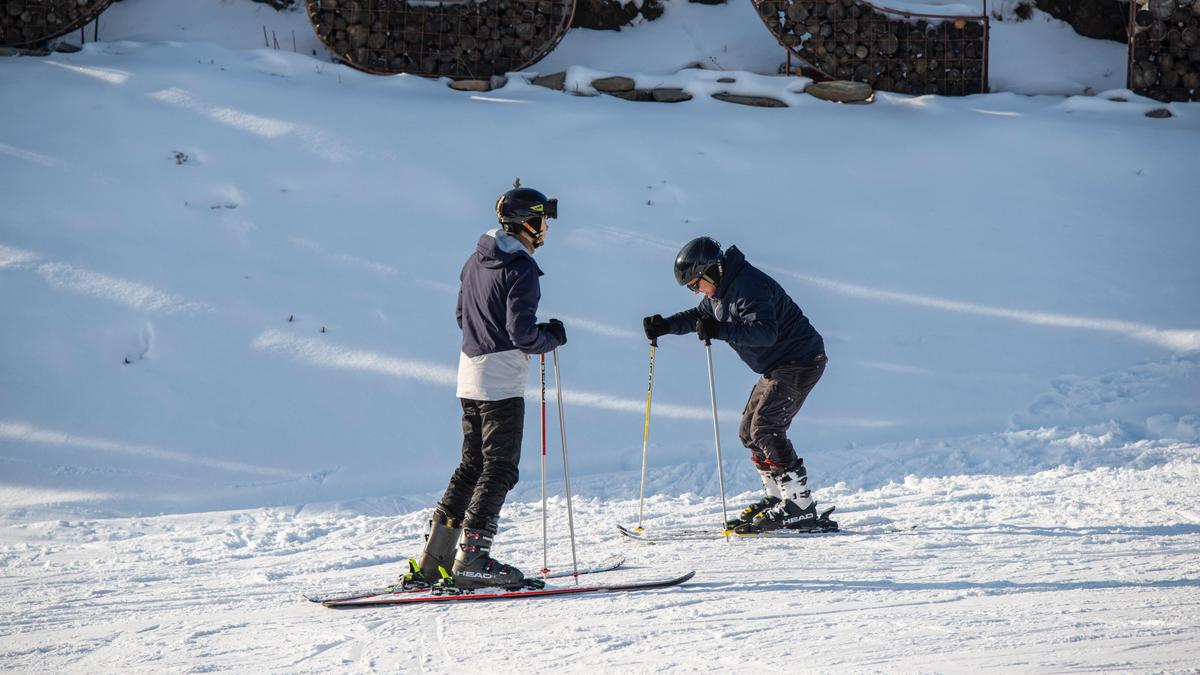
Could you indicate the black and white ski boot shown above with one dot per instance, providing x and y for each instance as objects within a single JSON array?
[
  {"x": 796, "y": 511},
  {"x": 772, "y": 497},
  {"x": 441, "y": 543},
  {"x": 786, "y": 514},
  {"x": 474, "y": 567},
  {"x": 746, "y": 516}
]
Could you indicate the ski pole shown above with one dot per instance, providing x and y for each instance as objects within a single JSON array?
[
  {"x": 545, "y": 555},
  {"x": 712, "y": 391},
  {"x": 562, "y": 428},
  {"x": 646, "y": 437}
]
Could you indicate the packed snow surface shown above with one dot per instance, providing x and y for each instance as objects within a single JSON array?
[{"x": 227, "y": 283}]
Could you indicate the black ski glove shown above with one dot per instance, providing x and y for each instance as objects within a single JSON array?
[
  {"x": 655, "y": 326},
  {"x": 707, "y": 328},
  {"x": 556, "y": 328}
]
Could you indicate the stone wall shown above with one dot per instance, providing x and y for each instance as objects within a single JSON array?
[
  {"x": 470, "y": 40},
  {"x": 1165, "y": 50},
  {"x": 892, "y": 51},
  {"x": 612, "y": 14},
  {"x": 33, "y": 23},
  {"x": 1100, "y": 19}
]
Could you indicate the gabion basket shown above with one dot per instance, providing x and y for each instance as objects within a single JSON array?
[
  {"x": 1164, "y": 49},
  {"x": 31, "y": 23},
  {"x": 461, "y": 40},
  {"x": 889, "y": 49}
]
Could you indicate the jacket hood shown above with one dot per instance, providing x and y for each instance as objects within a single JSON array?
[
  {"x": 734, "y": 262},
  {"x": 496, "y": 248}
]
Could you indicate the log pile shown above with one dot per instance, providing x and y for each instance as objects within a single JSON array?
[
  {"x": 1164, "y": 49},
  {"x": 461, "y": 40},
  {"x": 32, "y": 23},
  {"x": 887, "y": 49}
]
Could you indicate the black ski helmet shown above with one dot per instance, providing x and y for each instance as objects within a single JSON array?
[
  {"x": 701, "y": 257},
  {"x": 525, "y": 209}
]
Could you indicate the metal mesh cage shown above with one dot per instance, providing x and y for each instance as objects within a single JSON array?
[
  {"x": 32, "y": 23},
  {"x": 892, "y": 50},
  {"x": 470, "y": 39},
  {"x": 1164, "y": 49}
]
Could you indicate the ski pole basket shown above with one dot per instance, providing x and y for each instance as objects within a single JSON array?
[
  {"x": 889, "y": 49},
  {"x": 467, "y": 39},
  {"x": 33, "y": 23}
]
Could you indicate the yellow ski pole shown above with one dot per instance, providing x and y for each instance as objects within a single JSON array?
[{"x": 646, "y": 438}]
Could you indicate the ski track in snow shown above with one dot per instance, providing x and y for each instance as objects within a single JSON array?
[
  {"x": 75, "y": 279},
  {"x": 1091, "y": 570}
]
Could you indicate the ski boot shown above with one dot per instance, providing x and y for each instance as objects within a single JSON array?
[
  {"x": 441, "y": 540},
  {"x": 474, "y": 567},
  {"x": 773, "y": 497},
  {"x": 796, "y": 511},
  {"x": 746, "y": 516}
]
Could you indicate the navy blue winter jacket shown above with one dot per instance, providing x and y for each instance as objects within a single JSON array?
[
  {"x": 757, "y": 318},
  {"x": 498, "y": 299}
]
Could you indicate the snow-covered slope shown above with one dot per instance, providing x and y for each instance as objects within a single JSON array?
[{"x": 227, "y": 278}]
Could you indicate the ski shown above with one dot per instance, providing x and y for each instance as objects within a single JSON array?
[
  {"x": 824, "y": 526},
  {"x": 699, "y": 534},
  {"x": 489, "y": 594},
  {"x": 702, "y": 534},
  {"x": 607, "y": 565}
]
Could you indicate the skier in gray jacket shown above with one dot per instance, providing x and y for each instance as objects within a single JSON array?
[
  {"x": 755, "y": 315},
  {"x": 497, "y": 312}
]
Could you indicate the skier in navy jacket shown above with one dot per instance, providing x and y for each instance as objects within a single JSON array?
[
  {"x": 751, "y": 311},
  {"x": 497, "y": 312}
]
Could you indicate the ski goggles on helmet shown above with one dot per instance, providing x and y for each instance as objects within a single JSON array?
[{"x": 548, "y": 209}]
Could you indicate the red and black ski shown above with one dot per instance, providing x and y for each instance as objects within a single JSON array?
[{"x": 426, "y": 597}]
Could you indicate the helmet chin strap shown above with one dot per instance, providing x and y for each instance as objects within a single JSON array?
[{"x": 538, "y": 236}]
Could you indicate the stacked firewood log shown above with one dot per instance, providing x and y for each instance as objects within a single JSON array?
[
  {"x": 1164, "y": 50},
  {"x": 473, "y": 39},
  {"x": 32, "y": 23},
  {"x": 887, "y": 49}
]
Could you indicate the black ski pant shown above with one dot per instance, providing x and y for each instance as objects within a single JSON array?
[
  {"x": 491, "y": 452},
  {"x": 774, "y": 401}
]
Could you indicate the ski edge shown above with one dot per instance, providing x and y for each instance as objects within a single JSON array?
[{"x": 514, "y": 595}]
